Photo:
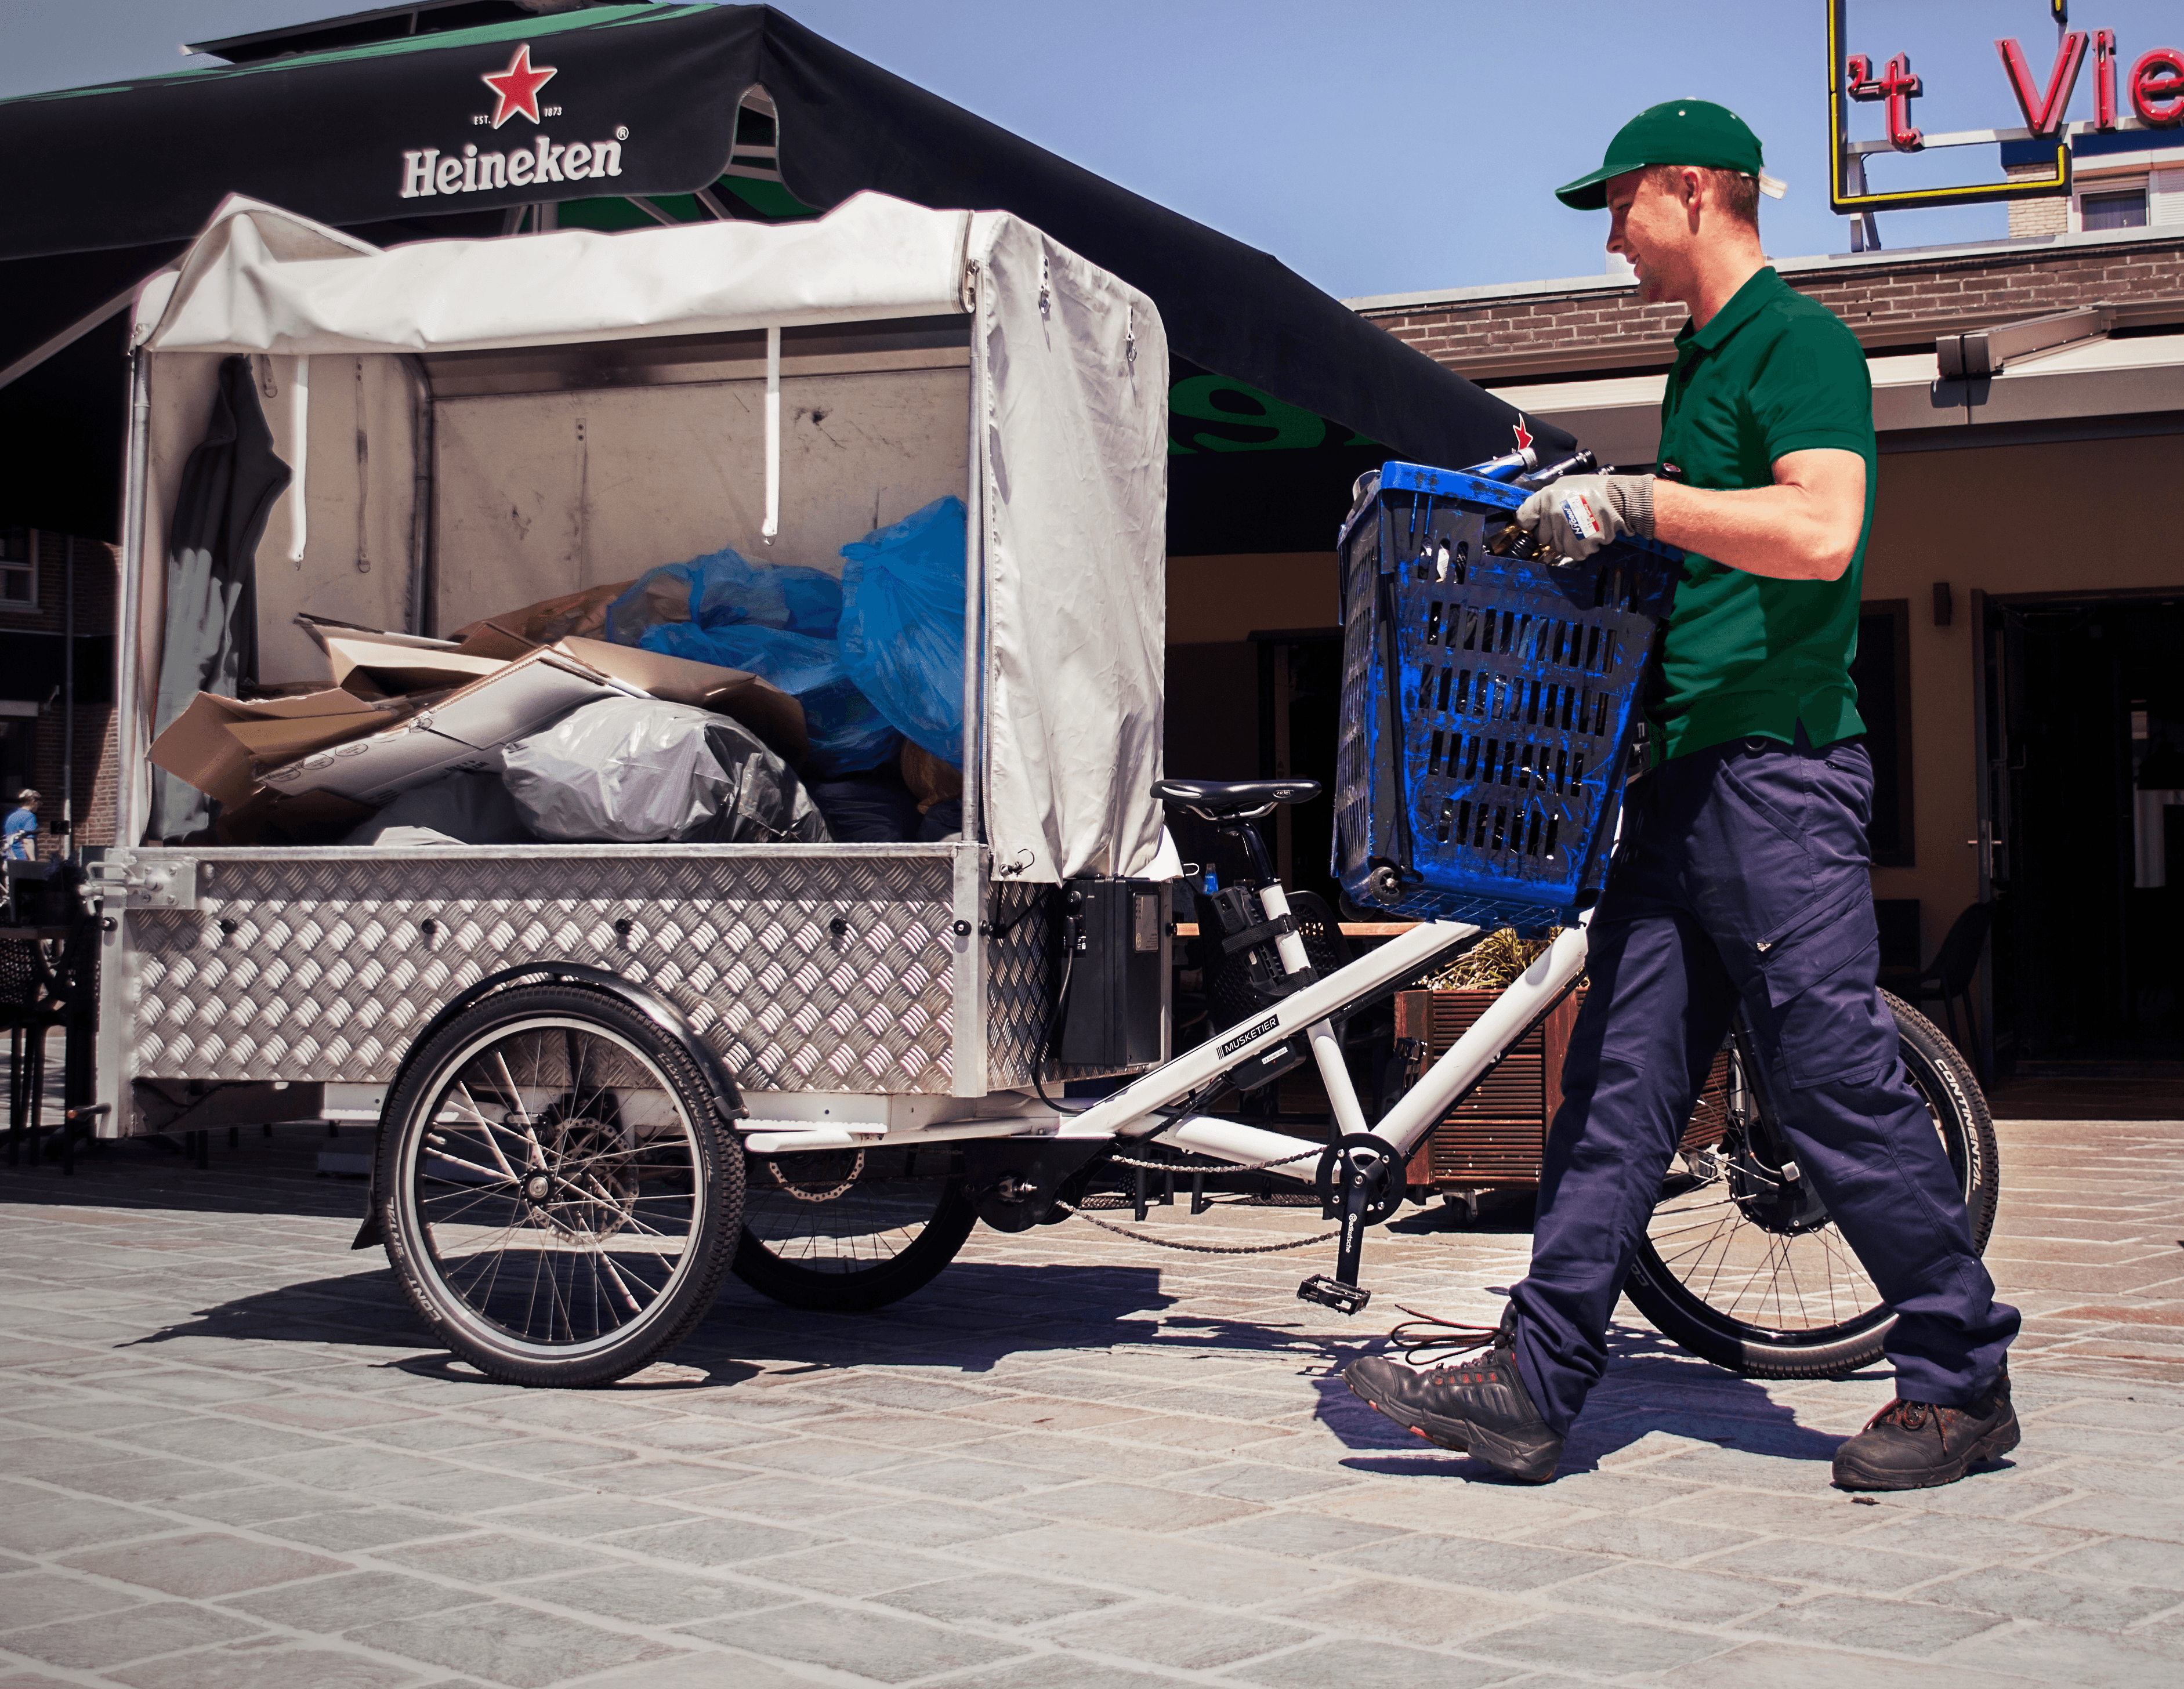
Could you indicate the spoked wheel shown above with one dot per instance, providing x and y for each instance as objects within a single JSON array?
[
  {"x": 842, "y": 1230},
  {"x": 1747, "y": 1270},
  {"x": 560, "y": 1196}
]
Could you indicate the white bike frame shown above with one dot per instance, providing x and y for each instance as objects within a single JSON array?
[{"x": 1143, "y": 1109}]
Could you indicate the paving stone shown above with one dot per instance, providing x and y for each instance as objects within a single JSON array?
[
  {"x": 848, "y": 1639},
  {"x": 1646, "y": 1537},
  {"x": 220, "y": 1441},
  {"x": 41, "y": 1522},
  {"x": 347, "y": 1467},
  {"x": 1784, "y": 1665},
  {"x": 1510, "y": 1567},
  {"x": 586, "y": 1516},
  {"x": 492, "y": 1558},
  {"x": 1848, "y": 1565},
  {"x": 516, "y": 1646},
  {"x": 462, "y": 1492},
  {"x": 1901, "y": 1627},
  {"x": 788, "y": 1499},
  {"x": 1134, "y": 1506},
  {"x": 2082, "y": 1659},
  {"x": 1378, "y": 1609},
  {"x": 2124, "y": 1559},
  {"x": 645, "y": 1595},
  {"x": 1371, "y": 1665},
  {"x": 714, "y": 1542},
  {"x": 920, "y": 1525},
  {"x": 43, "y": 1598},
  {"x": 701, "y": 1669},
  {"x": 203, "y": 1563},
  {"x": 251, "y": 1666},
  {"x": 968, "y": 1480},
  {"x": 1185, "y": 1637},
  {"x": 153, "y": 1478},
  {"x": 429, "y": 1435},
  {"x": 2026, "y": 1592},
  {"x": 347, "y": 1529},
  {"x": 859, "y": 1568},
  {"x": 115, "y": 1638},
  {"x": 1166, "y": 1566},
  {"x": 330, "y": 1606},
  {"x": 997, "y": 1598}
]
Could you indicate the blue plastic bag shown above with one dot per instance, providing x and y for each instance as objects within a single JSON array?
[
  {"x": 848, "y": 734},
  {"x": 902, "y": 624},
  {"x": 723, "y": 589}
]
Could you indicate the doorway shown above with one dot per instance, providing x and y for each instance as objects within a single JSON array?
[{"x": 2085, "y": 800}]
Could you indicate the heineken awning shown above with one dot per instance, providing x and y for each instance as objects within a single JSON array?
[{"x": 619, "y": 115}]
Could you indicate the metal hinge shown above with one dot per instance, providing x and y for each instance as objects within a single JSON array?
[{"x": 164, "y": 885}]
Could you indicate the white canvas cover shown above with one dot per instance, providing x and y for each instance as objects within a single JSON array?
[{"x": 1069, "y": 382}]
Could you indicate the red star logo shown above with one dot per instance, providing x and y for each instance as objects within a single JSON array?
[
  {"x": 1523, "y": 434},
  {"x": 517, "y": 88}
]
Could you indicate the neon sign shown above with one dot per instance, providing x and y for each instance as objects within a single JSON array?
[{"x": 2155, "y": 89}]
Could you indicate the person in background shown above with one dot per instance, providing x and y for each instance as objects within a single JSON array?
[{"x": 18, "y": 833}]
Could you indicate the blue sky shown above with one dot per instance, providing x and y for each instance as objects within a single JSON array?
[{"x": 1375, "y": 146}]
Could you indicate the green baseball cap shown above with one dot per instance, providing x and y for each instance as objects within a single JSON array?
[{"x": 1675, "y": 132}]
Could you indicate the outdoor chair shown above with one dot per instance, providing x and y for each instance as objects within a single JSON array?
[{"x": 1949, "y": 977}]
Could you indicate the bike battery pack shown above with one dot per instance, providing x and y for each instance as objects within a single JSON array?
[{"x": 1113, "y": 935}]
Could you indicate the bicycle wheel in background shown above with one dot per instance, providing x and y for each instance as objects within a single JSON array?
[
  {"x": 841, "y": 1231},
  {"x": 558, "y": 1194},
  {"x": 1753, "y": 1275}
]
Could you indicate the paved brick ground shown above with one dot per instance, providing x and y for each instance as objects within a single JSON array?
[{"x": 1073, "y": 1463}]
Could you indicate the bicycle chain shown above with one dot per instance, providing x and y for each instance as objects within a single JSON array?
[{"x": 1196, "y": 1248}]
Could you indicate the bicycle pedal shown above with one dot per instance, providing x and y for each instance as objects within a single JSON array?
[{"x": 1333, "y": 1293}]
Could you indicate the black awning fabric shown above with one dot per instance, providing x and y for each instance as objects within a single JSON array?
[
  {"x": 339, "y": 136},
  {"x": 136, "y": 169}
]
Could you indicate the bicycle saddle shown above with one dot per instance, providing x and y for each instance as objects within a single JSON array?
[{"x": 1233, "y": 800}]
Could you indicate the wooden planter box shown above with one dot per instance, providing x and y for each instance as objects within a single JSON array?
[{"x": 1494, "y": 1139}]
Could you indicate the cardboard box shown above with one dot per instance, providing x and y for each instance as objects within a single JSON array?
[
  {"x": 463, "y": 730},
  {"x": 452, "y": 708},
  {"x": 212, "y": 744}
]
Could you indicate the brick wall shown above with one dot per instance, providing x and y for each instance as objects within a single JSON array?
[
  {"x": 97, "y": 579},
  {"x": 1891, "y": 302}
]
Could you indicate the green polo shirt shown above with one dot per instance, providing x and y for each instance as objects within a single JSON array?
[{"x": 1745, "y": 656}]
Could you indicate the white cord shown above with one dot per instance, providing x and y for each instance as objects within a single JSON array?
[
  {"x": 772, "y": 523},
  {"x": 300, "y": 430}
]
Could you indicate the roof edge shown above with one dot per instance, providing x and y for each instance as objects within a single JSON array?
[{"x": 2030, "y": 246}]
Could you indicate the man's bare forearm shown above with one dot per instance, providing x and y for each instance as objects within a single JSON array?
[{"x": 1805, "y": 527}]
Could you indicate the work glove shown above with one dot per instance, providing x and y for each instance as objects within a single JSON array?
[{"x": 1578, "y": 513}]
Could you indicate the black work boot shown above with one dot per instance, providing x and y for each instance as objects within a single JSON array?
[
  {"x": 1916, "y": 1445},
  {"x": 1477, "y": 1405}
]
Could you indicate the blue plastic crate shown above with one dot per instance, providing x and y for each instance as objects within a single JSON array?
[{"x": 1488, "y": 706}]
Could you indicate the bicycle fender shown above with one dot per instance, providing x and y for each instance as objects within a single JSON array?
[{"x": 728, "y": 1096}]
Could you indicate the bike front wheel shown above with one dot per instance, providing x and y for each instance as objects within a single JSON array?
[{"x": 1754, "y": 1274}]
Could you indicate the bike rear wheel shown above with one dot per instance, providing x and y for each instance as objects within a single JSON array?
[
  {"x": 843, "y": 1231},
  {"x": 1765, "y": 1284},
  {"x": 558, "y": 1194}
]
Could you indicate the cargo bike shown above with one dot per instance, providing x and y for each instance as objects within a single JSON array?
[{"x": 603, "y": 1077}]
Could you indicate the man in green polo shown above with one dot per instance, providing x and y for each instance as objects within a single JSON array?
[{"x": 1741, "y": 876}]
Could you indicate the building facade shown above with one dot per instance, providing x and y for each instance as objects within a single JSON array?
[{"x": 2023, "y": 588}]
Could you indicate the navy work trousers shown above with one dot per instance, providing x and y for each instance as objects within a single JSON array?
[{"x": 1742, "y": 876}]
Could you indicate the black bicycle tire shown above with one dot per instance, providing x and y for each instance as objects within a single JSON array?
[
  {"x": 720, "y": 1171},
  {"x": 868, "y": 1288},
  {"x": 1831, "y": 1352}
]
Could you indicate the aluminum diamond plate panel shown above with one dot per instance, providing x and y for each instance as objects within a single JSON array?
[
  {"x": 1018, "y": 985},
  {"x": 810, "y": 969}
]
